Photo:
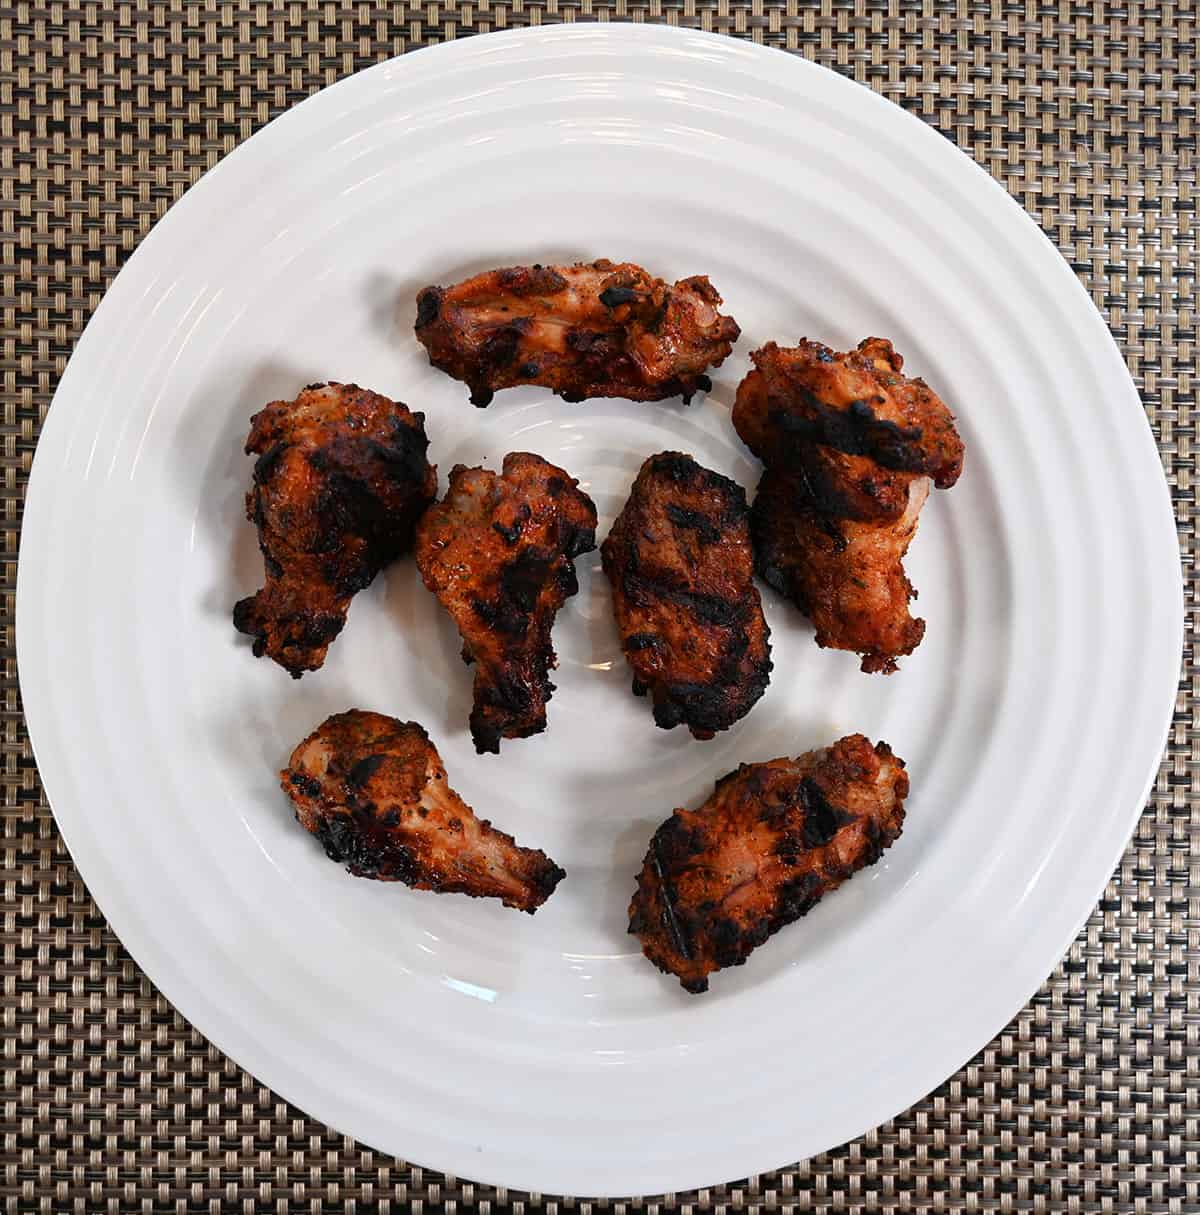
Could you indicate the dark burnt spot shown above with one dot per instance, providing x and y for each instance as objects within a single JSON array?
[
  {"x": 822, "y": 819},
  {"x": 668, "y": 714},
  {"x": 512, "y": 533},
  {"x": 798, "y": 897},
  {"x": 711, "y": 609},
  {"x": 500, "y": 348},
  {"x": 362, "y": 771},
  {"x": 694, "y": 987},
  {"x": 454, "y": 826},
  {"x": 245, "y": 615},
  {"x": 692, "y": 520},
  {"x": 726, "y": 943},
  {"x": 308, "y": 785},
  {"x": 555, "y": 486},
  {"x": 429, "y": 305},
  {"x": 668, "y": 896},
  {"x": 487, "y": 612},
  {"x": 676, "y": 466},
  {"x": 337, "y": 835},
  {"x": 531, "y": 280},
  {"x": 390, "y": 818},
  {"x": 266, "y": 464},
  {"x": 481, "y": 396},
  {"x": 640, "y": 641},
  {"x": 316, "y": 629},
  {"x": 857, "y": 431},
  {"x": 358, "y": 841},
  {"x": 529, "y": 370},
  {"x": 523, "y": 580},
  {"x": 567, "y": 581},
  {"x": 544, "y": 881},
  {"x": 579, "y": 540},
  {"x": 584, "y": 341},
  {"x": 614, "y": 297},
  {"x": 350, "y": 581},
  {"x": 403, "y": 457}
]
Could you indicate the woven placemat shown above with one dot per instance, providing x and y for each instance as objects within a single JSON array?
[{"x": 109, "y": 110}]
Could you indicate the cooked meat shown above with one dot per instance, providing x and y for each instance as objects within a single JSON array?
[
  {"x": 691, "y": 622},
  {"x": 767, "y": 845},
  {"x": 373, "y": 790},
  {"x": 498, "y": 552},
  {"x": 339, "y": 483},
  {"x": 597, "y": 329},
  {"x": 852, "y": 447},
  {"x": 846, "y": 575},
  {"x": 857, "y": 402}
]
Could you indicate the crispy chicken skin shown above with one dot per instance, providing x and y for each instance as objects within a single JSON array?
[
  {"x": 852, "y": 447},
  {"x": 498, "y": 551},
  {"x": 373, "y": 790},
  {"x": 339, "y": 483},
  {"x": 767, "y": 845},
  {"x": 681, "y": 566},
  {"x": 594, "y": 329}
]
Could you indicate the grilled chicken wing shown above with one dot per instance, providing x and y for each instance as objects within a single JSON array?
[
  {"x": 498, "y": 552},
  {"x": 766, "y": 846},
  {"x": 691, "y": 621},
  {"x": 597, "y": 329},
  {"x": 373, "y": 790},
  {"x": 852, "y": 447},
  {"x": 340, "y": 480},
  {"x": 846, "y": 574},
  {"x": 858, "y": 402}
]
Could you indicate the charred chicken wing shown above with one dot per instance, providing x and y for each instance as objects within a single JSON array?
[
  {"x": 339, "y": 483},
  {"x": 498, "y": 551},
  {"x": 373, "y": 790},
  {"x": 852, "y": 447},
  {"x": 846, "y": 574},
  {"x": 597, "y": 329},
  {"x": 767, "y": 845},
  {"x": 681, "y": 566}
]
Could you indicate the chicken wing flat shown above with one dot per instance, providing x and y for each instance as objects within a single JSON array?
[
  {"x": 767, "y": 845},
  {"x": 852, "y": 447},
  {"x": 498, "y": 551},
  {"x": 373, "y": 790},
  {"x": 595, "y": 329},
  {"x": 339, "y": 483},
  {"x": 681, "y": 566}
]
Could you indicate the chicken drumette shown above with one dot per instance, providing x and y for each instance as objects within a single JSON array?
[
  {"x": 852, "y": 447},
  {"x": 373, "y": 790},
  {"x": 498, "y": 552},
  {"x": 767, "y": 845},
  {"x": 339, "y": 483},
  {"x": 597, "y": 329},
  {"x": 691, "y": 621}
]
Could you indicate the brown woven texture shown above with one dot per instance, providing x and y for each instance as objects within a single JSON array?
[{"x": 1090, "y": 1099}]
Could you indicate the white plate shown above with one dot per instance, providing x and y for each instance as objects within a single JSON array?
[{"x": 545, "y": 1053}]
